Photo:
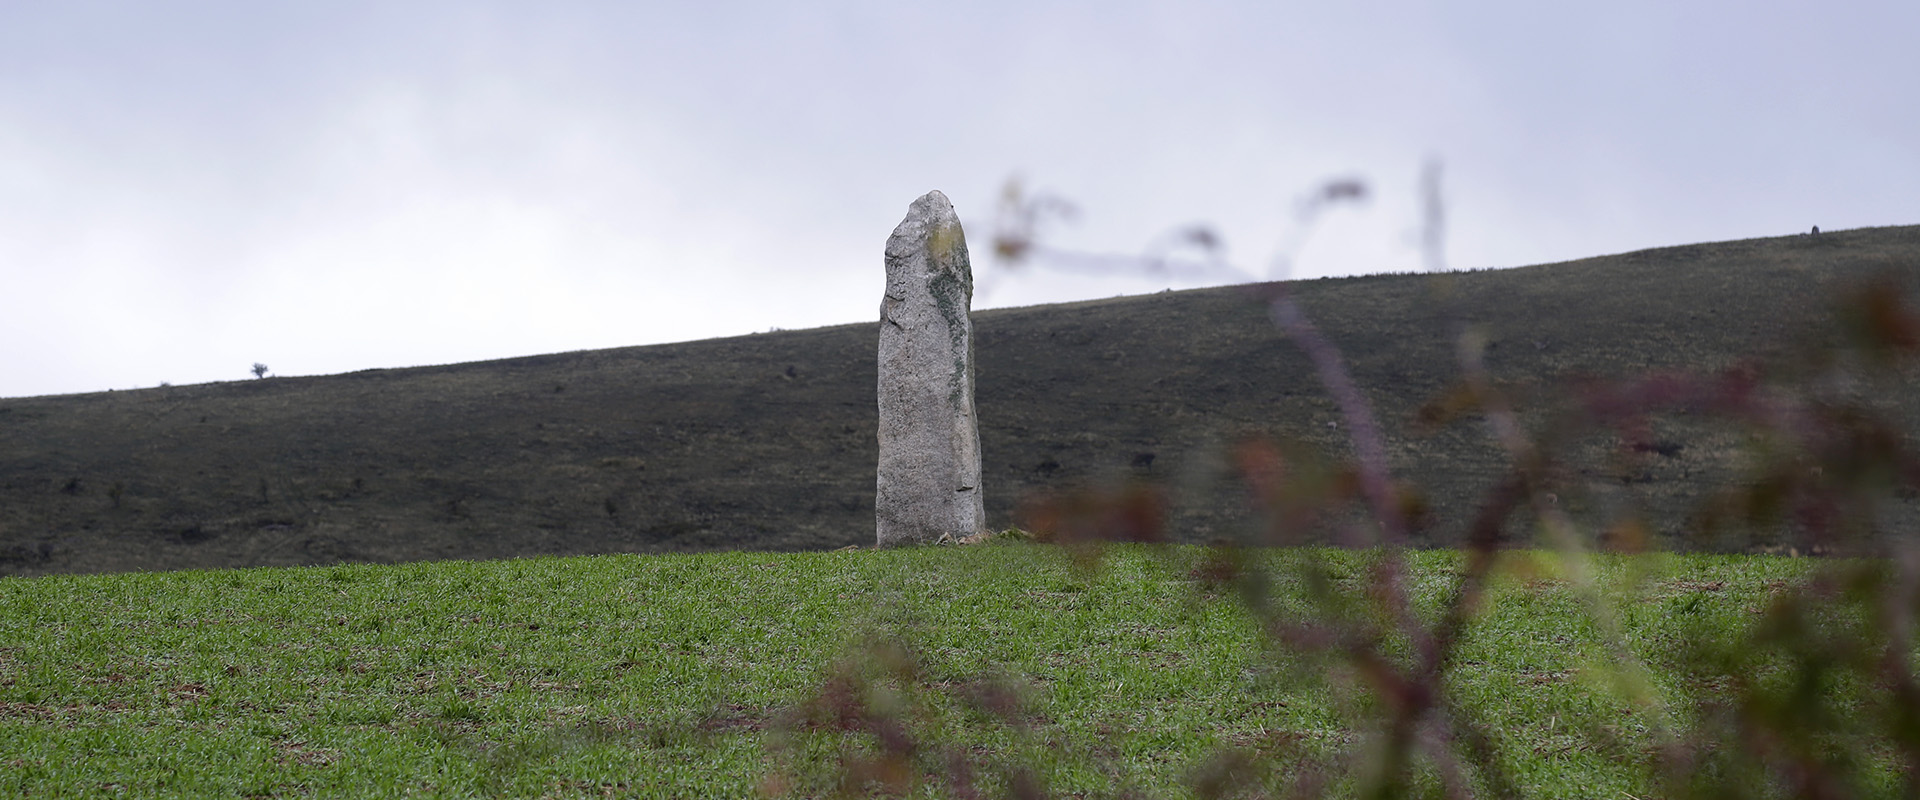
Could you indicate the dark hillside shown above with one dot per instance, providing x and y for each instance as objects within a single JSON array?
[{"x": 767, "y": 441}]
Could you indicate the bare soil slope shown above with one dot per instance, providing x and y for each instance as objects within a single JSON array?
[{"x": 767, "y": 441}]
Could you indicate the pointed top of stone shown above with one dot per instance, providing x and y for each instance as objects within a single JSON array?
[
  {"x": 930, "y": 222},
  {"x": 934, "y": 202}
]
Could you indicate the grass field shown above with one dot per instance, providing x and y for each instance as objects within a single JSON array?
[{"x": 667, "y": 676}]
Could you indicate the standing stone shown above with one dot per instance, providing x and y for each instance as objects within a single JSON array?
[{"x": 929, "y": 476}]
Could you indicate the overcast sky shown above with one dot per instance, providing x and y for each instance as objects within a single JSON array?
[{"x": 188, "y": 188}]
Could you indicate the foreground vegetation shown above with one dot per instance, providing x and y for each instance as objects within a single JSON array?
[
  {"x": 696, "y": 675},
  {"x": 1097, "y": 659}
]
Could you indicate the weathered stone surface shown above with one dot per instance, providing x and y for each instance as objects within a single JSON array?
[{"x": 929, "y": 475}]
